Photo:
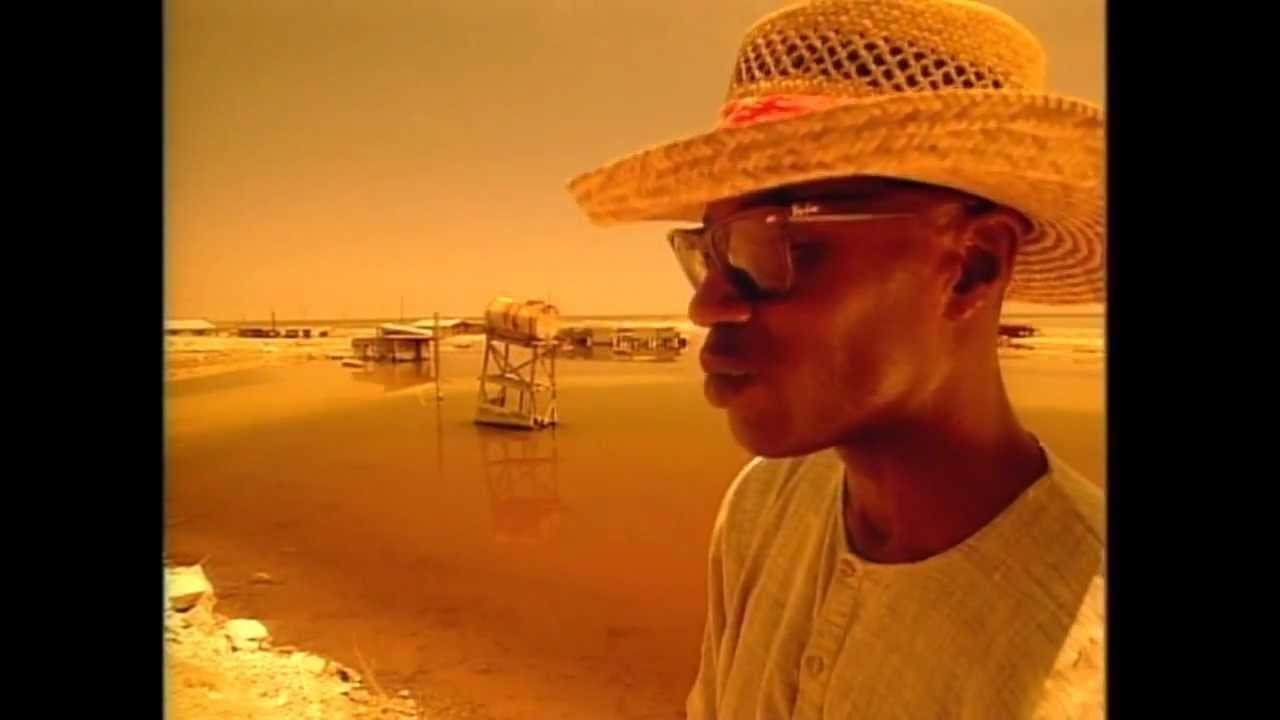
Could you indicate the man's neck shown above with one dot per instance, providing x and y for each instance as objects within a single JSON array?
[{"x": 916, "y": 489}]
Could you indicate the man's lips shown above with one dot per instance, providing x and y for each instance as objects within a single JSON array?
[
  {"x": 715, "y": 364},
  {"x": 727, "y": 379}
]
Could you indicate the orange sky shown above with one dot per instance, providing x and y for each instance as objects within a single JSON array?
[{"x": 326, "y": 158}]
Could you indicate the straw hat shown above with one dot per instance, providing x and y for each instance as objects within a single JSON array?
[{"x": 946, "y": 92}]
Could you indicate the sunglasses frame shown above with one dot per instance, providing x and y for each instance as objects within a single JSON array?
[{"x": 712, "y": 242}]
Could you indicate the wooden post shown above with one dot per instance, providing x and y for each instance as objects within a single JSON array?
[
  {"x": 533, "y": 384},
  {"x": 506, "y": 369},
  {"x": 435, "y": 351}
]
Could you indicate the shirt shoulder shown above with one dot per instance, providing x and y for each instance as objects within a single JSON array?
[
  {"x": 1076, "y": 686},
  {"x": 766, "y": 484},
  {"x": 769, "y": 490},
  {"x": 1085, "y": 499}
]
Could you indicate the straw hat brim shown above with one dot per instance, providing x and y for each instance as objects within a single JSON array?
[{"x": 1040, "y": 154}]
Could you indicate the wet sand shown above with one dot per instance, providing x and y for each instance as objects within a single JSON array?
[{"x": 557, "y": 574}]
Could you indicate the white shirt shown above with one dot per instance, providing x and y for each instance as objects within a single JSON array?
[{"x": 1007, "y": 624}]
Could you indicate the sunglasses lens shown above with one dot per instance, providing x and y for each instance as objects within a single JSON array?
[
  {"x": 691, "y": 257},
  {"x": 752, "y": 253},
  {"x": 757, "y": 249}
]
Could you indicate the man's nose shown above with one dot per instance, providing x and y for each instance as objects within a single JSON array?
[{"x": 716, "y": 301}]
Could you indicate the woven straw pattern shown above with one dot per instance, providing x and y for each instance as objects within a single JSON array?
[
  {"x": 871, "y": 48},
  {"x": 1037, "y": 153}
]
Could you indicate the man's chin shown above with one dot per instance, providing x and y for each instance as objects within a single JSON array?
[
  {"x": 761, "y": 435},
  {"x": 770, "y": 433}
]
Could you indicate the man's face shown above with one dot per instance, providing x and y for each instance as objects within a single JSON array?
[{"x": 860, "y": 339}]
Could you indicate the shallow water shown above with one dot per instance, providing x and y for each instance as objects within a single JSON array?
[{"x": 553, "y": 574}]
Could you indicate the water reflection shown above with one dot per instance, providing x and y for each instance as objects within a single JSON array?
[
  {"x": 395, "y": 375},
  {"x": 522, "y": 472}
]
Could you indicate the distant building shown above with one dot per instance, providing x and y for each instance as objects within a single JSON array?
[
  {"x": 623, "y": 338},
  {"x": 304, "y": 332},
  {"x": 451, "y": 327},
  {"x": 189, "y": 327},
  {"x": 288, "y": 332},
  {"x": 258, "y": 332},
  {"x": 402, "y": 331}
]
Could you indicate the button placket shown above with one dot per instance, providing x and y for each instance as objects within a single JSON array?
[
  {"x": 835, "y": 618},
  {"x": 814, "y": 665}
]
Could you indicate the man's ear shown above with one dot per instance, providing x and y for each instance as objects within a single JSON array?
[{"x": 986, "y": 245}]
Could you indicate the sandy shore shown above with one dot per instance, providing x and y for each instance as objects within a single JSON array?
[
  {"x": 218, "y": 667},
  {"x": 195, "y": 357}
]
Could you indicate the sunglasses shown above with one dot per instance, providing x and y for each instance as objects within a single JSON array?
[{"x": 754, "y": 247}]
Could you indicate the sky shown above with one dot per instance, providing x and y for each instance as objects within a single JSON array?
[{"x": 329, "y": 158}]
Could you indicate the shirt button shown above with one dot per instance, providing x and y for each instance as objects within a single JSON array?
[
  {"x": 847, "y": 569},
  {"x": 814, "y": 664}
]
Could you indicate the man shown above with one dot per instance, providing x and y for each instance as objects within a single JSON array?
[{"x": 885, "y": 173}]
